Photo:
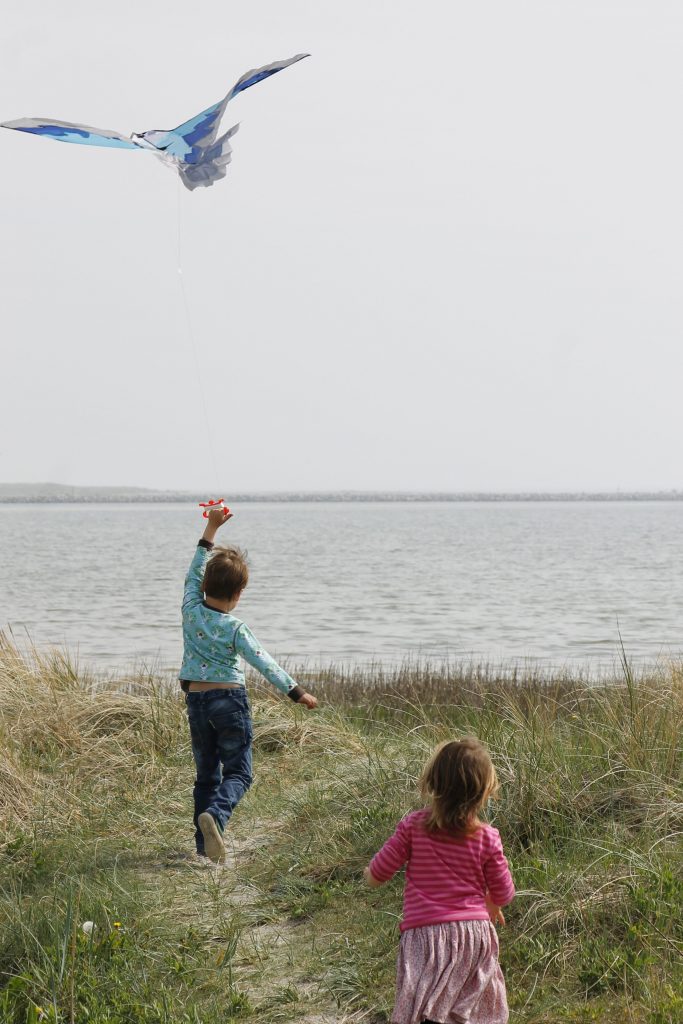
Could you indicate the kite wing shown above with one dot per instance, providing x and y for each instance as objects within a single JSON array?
[
  {"x": 190, "y": 140},
  {"x": 66, "y": 131},
  {"x": 257, "y": 75}
]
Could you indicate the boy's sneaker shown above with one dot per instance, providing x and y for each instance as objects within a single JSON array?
[{"x": 213, "y": 840}]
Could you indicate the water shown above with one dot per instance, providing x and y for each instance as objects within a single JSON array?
[{"x": 499, "y": 582}]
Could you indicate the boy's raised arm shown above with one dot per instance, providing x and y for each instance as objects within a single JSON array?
[{"x": 193, "y": 593}]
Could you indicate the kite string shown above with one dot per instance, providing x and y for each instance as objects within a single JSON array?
[{"x": 195, "y": 351}]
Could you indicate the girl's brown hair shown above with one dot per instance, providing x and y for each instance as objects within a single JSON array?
[
  {"x": 458, "y": 780},
  {"x": 226, "y": 574}
]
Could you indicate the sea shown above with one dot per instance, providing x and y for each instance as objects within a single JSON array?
[{"x": 559, "y": 585}]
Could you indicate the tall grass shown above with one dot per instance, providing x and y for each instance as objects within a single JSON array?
[
  {"x": 591, "y": 814},
  {"x": 95, "y": 782}
]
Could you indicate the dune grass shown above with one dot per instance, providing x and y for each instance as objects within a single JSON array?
[{"x": 95, "y": 782}]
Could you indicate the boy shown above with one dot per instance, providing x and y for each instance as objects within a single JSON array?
[{"x": 213, "y": 680}]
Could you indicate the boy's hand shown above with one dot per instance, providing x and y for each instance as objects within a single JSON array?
[
  {"x": 218, "y": 516},
  {"x": 370, "y": 879},
  {"x": 215, "y": 519},
  {"x": 308, "y": 701}
]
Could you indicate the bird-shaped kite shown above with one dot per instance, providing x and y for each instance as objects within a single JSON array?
[{"x": 192, "y": 148}]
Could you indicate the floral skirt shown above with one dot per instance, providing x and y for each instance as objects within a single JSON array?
[{"x": 450, "y": 973}]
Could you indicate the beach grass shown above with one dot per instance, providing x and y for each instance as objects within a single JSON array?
[{"x": 95, "y": 802}]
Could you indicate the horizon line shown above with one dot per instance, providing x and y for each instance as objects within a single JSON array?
[{"x": 16, "y": 493}]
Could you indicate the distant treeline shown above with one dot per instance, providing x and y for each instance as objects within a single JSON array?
[{"x": 56, "y": 494}]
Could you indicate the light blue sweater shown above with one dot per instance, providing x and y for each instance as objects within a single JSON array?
[{"x": 214, "y": 642}]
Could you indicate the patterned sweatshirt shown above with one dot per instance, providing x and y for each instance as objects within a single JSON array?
[
  {"x": 447, "y": 879},
  {"x": 214, "y": 642}
]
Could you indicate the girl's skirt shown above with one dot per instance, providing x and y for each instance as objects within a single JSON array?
[{"x": 450, "y": 973}]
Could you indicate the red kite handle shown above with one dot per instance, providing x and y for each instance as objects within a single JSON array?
[{"x": 213, "y": 503}]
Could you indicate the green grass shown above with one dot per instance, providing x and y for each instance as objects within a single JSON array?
[{"x": 95, "y": 785}]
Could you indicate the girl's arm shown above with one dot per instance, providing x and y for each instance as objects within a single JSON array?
[
  {"x": 501, "y": 888},
  {"x": 391, "y": 857},
  {"x": 373, "y": 882}
]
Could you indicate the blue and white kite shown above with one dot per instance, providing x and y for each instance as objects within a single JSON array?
[{"x": 192, "y": 148}]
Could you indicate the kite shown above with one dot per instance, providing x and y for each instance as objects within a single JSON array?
[{"x": 192, "y": 148}]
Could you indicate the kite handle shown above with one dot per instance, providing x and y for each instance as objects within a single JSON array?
[{"x": 214, "y": 503}]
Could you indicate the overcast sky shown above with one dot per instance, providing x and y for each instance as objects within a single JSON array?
[{"x": 447, "y": 255}]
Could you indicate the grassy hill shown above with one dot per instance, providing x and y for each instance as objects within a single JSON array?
[{"x": 95, "y": 783}]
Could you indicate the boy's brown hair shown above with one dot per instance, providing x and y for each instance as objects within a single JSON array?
[
  {"x": 226, "y": 574},
  {"x": 458, "y": 780}
]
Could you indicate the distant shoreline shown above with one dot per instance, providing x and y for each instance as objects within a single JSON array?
[{"x": 17, "y": 494}]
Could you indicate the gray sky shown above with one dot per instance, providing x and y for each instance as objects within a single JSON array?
[{"x": 447, "y": 254}]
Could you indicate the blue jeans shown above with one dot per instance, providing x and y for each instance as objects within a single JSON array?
[{"x": 221, "y": 733}]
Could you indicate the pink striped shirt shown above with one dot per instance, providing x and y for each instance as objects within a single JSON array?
[{"x": 446, "y": 879}]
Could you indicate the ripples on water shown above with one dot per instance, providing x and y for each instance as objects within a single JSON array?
[{"x": 496, "y": 582}]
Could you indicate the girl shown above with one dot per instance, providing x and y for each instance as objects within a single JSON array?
[{"x": 457, "y": 880}]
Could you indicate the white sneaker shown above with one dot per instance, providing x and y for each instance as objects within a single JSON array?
[{"x": 213, "y": 840}]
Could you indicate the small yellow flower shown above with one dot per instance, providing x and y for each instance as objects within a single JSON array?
[{"x": 117, "y": 924}]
